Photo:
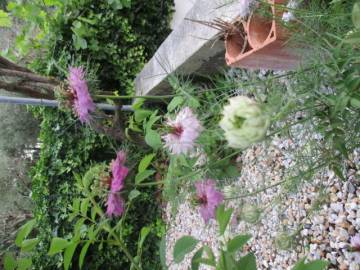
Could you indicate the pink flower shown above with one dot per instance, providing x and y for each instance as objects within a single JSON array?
[
  {"x": 83, "y": 104},
  {"x": 184, "y": 130},
  {"x": 115, "y": 205},
  {"x": 355, "y": 246},
  {"x": 208, "y": 198},
  {"x": 119, "y": 172}
]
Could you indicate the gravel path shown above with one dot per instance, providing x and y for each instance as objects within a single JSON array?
[{"x": 323, "y": 213}]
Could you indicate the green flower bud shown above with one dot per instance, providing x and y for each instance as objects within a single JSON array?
[
  {"x": 250, "y": 213},
  {"x": 284, "y": 241},
  {"x": 230, "y": 192},
  {"x": 244, "y": 122}
]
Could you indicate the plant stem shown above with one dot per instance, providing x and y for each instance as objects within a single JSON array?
[
  {"x": 111, "y": 232},
  {"x": 125, "y": 250},
  {"x": 256, "y": 191},
  {"x": 132, "y": 97}
]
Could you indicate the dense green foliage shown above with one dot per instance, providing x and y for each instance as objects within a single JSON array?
[
  {"x": 115, "y": 36},
  {"x": 118, "y": 40},
  {"x": 113, "y": 39},
  {"x": 73, "y": 149}
]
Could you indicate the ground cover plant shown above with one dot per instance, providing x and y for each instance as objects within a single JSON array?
[{"x": 184, "y": 151}]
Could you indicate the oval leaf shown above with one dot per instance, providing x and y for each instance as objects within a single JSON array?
[
  {"x": 175, "y": 102},
  {"x": 9, "y": 262},
  {"x": 183, "y": 246},
  {"x": 57, "y": 245},
  {"x": 143, "y": 175},
  {"x": 247, "y": 262},
  {"x": 24, "y": 264},
  {"x": 237, "y": 243},
  {"x": 153, "y": 139},
  {"x": 5, "y": 20},
  {"x": 24, "y": 232},
  {"x": 29, "y": 244},
  {"x": 145, "y": 162},
  {"x": 223, "y": 217}
]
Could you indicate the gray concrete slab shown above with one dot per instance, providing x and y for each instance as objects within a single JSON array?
[{"x": 191, "y": 48}]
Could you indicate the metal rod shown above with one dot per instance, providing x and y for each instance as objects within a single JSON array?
[{"x": 55, "y": 103}]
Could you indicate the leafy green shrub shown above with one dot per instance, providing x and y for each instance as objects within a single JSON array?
[
  {"x": 116, "y": 36},
  {"x": 68, "y": 147},
  {"x": 119, "y": 40}
]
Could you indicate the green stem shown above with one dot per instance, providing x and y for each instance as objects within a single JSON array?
[
  {"x": 256, "y": 191},
  {"x": 121, "y": 244},
  {"x": 125, "y": 250},
  {"x": 132, "y": 97}
]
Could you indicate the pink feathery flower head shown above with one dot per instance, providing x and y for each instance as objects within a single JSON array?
[
  {"x": 355, "y": 246},
  {"x": 115, "y": 205},
  {"x": 208, "y": 198},
  {"x": 83, "y": 103},
  {"x": 184, "y": 130},
  {"x": 119, "y": 172}
]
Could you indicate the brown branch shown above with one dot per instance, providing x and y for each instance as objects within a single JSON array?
[
  {"x": 27, "y": 91},
  {"x": 35, "y": 85},
  {"x": 27, "y": 75},
  {"x": 8, "y": 64}
]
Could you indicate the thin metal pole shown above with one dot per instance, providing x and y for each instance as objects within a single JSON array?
[{"x": 55, "y": 103}]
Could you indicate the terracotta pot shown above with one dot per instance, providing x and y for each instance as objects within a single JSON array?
[{"x": 266, "y": 43}]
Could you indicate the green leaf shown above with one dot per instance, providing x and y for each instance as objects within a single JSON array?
[
  {"x": 58, "y": 245},
  {"x": 78, "y": 226},
  {"x": 84, "y": 206},
  {"x": 83, "y": 253},
  {"x": 143, "y": 234},
  {"x": 314, "y": 265},
  {"x": 140, "y": 177},
  {"x": 354, "y": 102},
  {"x": 138, "y": 103},
  {"x": 134, "y": 194},
  {"x": 193, "y": 102},
  {"x": 68, "y": 254},
  {"x": 24, "y": 264},
  {"x": 145, "y": 162},
  {"x": 356, "y": 15},
  {"x": 140, "y": 115},
  {"x": 175, "y": 103},
  {"x": 153, "y": 139},
  {"x": 237, "y": 243},
  {"x": 162, "y": 252},
  {"x": 183, "y": 246},
  {"x": 208, "y": 260},
  {"x": 29, "y": 244},
  {"x": 247, "y": 262},
  {"x": 226, "y": 261},
  {"x": 195, "y": 261},
  {"x": 9, "y": 262},
  {"x": 24, "y": 231},
  {"x": 5, "y": 20},
  {"x": 152, "y": 120},
  {"x": 223, "y": 217}
]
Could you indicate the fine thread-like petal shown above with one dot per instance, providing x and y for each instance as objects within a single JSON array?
[
  {"x": 209, "y": 198},
  {"x": 186, "y": 128},
  {"x": 115, "y": 205},
  {"x": 119, "y": 172},
  {"x": 83, "y": 103}
]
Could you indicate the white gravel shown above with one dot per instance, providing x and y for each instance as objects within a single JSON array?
[{"x": 321, "y": 232}]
